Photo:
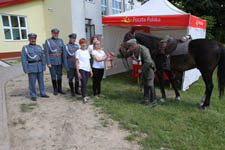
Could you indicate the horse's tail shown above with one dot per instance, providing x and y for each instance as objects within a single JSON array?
[{"x": 221, "y": 71}]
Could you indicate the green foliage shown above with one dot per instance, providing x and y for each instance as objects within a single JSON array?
[
  {"x": 211, "y": 22},
  {"x": 172, "y": 125}
]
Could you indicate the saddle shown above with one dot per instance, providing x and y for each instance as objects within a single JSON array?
[{"x": 178, "y": 46}]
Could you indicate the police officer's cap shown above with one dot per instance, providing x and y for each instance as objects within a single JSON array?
[
  {"x": 73, "y": 35},
  {"x": 131, "y": 42},
  {"x": 165, "y": 39},
  {"x": 32, "y": 35},
  {"x": 55, "y": 30}
]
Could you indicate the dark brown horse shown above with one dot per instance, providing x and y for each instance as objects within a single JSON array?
[{"x": 203, "y": 54}]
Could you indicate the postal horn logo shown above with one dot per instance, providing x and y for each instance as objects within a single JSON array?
[
  {"x": 197, "y": 23},
  {"x": 126, "y": 20}
]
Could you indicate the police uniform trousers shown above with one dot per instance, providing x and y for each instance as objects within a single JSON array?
[
  {"x": 56, "y": 72},
  {"x": 32, "y": 83}
]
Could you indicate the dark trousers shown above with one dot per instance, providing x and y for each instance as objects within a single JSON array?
[
  {"x": 85, "y": 75},
  {"x": 97, "y": 78},
  {"x": 171, "y": 79}
]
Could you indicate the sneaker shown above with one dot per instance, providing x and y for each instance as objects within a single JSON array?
[
  {"x": 85, "y": 101},
  {"x": 178, "y": 98},
  {"x": 162, "y": 100}
]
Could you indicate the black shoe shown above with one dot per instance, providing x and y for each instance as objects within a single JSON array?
[
  {"x": 33, "y": 99},
  {"x": 142, "y": 102},
  {"x": 60, "y": 86},
  {"x": 55, "y": 92},
  {"x": 71, "y": 88},
  {"x": 77, "y": 91},
  {"x": 45, "y": 96}
]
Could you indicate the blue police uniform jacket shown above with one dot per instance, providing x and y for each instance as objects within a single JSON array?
[
  {"x": 69, "y": 54},
  {"x": 32, "y": 59},
  {"x": 54, "y": 54}
]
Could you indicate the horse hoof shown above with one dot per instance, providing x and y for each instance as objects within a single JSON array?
[
  {"x": 200, "y": 103},
  {"x": 203, "y": 107},
  {"x": 178, "y": 98}
]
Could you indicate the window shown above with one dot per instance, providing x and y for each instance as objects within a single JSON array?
[
  {"x": 104, "y": 7},
  {"x": 90, "y": 29},
  {"x": 91, "y": 1},
  {"x": 116, "y": 6},
  {"x": 14, "y": 27}
]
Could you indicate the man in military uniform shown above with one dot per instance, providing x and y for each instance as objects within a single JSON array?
[
  {"x": 53, "y": 50},
  {"x": 69, "y": 54},
  {"x": 142, "y": 54},
  {"x": 33, "y": 65}
]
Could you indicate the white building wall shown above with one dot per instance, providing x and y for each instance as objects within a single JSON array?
[
  {"x": 78, "y": 18},
  {"x": 82, "y": 9},
  {"x": 93, "y": 12}
]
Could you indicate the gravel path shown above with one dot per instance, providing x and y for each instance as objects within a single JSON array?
[
  {"x": 60, "y": 122},
  {"x": 6, "y": 73}
]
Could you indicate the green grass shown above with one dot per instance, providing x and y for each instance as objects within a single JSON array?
[
  {"x": 172, "y": 125},
  {"x": 27, "y": 107}
]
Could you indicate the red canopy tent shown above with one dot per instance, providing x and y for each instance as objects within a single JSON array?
[{"x": 162, "y": 18}]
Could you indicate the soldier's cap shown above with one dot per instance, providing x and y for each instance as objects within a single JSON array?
[
  {"x": 55, "y": 30},
  {"x": 73, "y": 35},
  {"x": 32, "y": 35},
  {"x": 131, "y": 42},
  {"x": 165, "y": 39}
]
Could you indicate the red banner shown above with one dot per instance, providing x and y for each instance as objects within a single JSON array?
[{"x": 162, "y": 20}]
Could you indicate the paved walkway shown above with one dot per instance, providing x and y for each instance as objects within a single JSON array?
[{"x": 6, "y": 73}]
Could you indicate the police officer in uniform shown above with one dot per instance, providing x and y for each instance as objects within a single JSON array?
[
  {"x": 69, "y": 54},
  {"x": 33, "y": 65},
  {"x": 142, "y": 54},
  {"x": 53, "y": 50}
]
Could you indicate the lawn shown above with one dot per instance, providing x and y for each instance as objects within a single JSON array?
[{"x": 169, "y": 126}]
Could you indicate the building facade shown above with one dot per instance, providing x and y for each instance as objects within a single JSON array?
[{"x": 84, "y": 17}]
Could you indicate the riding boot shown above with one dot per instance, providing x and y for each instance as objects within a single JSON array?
[
  {"x": 146, "y": 95},
  {"x": 71, "y": 88},
  {"x": 77, "y": 88},
  {"x": 153, "y": 101},
  {"x": 60, "y": 86},
  {"x": 55, "y": 92}
]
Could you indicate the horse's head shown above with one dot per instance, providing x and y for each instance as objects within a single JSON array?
[
  {"x": 129, "y": 35},
  {"x": 123, "y": 48}
]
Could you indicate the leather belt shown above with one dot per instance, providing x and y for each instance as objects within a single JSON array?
[
  {"x": 70, "y": 57},
  {"x": 35, "y": 61},
  {"x": 55, "y": 54}
]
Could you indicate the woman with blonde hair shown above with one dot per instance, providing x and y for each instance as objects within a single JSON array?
[{"x": 98, "y": 66}]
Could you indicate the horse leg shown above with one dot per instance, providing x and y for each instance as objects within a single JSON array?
[
  {"x": 201, "y": 102},
  {"x": 207, "y": 77},
  {"x": 173, "y": 82},
  {"x": 161, "y": 85}
]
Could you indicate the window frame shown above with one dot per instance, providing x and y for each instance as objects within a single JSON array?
[
  {"x": 117, "y": 9},
  {"x": 105, "y": 7},
  {"x": 91, "y": 1},
  {"x": 11, "y": 28}
]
